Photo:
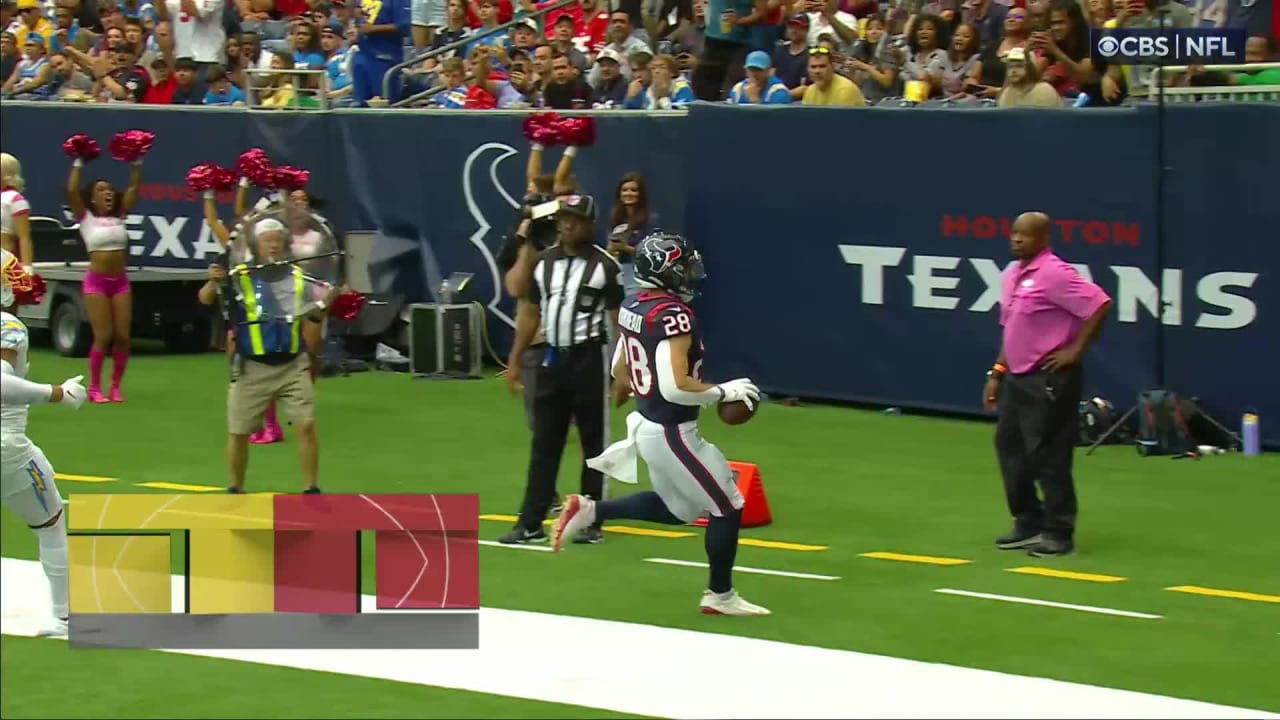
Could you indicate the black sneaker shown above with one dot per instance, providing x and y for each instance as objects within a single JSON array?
[
  {"x": 311, "y": 491},
  {"x": 521, "y": 536},
  {"x": 557, "y": 506},
  {"x": 1052, "y": 547},
  {"x": 589, "y": 536},
  {"x": 1018, "y": 538},
  {"x": 235, "y": 490}
]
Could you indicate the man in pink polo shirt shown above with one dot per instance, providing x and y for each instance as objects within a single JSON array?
[{"x": 1050, "y": 316}]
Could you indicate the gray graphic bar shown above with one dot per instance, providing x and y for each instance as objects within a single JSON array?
[{"x": 276, "y": 631}]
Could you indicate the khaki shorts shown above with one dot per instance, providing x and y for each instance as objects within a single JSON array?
[{"x": 254, "y": 385}]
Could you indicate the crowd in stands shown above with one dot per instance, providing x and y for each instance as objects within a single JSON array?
[{"x": 635, "y": 54}]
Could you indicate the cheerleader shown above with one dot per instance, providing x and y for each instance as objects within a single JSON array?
[
  {"x": 101, "y": 209},
  {"x": 27, "y": 487},
  {"x": 15, "y": 212}
]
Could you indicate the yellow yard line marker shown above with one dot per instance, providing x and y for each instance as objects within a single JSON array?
[
  {"x": 925, "y": 559},
  {"x": 1067, "y": 574},
  {"x": 625, "y": 530},
  {"x": 1236, "y": 594},
  {"x": 779, "y": 545},
  {"x": 504, "y": 518},
  {"x": 82, "y": 478},
  {"x": 180, "y": 487}
]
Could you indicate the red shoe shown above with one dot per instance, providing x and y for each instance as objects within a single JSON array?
[
  {"x": 116, "y": 395},
  {"x": 96, "y": 396}
]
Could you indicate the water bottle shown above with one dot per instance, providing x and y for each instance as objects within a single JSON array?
[
  {"x": 1249, "y": 431},
  {"x": 1081, "y": 100}
]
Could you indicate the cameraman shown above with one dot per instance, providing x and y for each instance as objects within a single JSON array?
[{"x": 516, "y": 259}]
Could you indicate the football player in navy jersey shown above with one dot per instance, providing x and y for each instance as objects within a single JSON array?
[{"x": 659, "y": 353}]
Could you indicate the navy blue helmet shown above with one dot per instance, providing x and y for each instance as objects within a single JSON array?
[{"x": 667, "y": 261}]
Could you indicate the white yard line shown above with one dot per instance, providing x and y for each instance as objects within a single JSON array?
[
  {"x": 1050, "y": 603},
  {"x": 495, "y": 543},
  {"x": 666, "y": 672},
  {"x": 739, "y": 568}
]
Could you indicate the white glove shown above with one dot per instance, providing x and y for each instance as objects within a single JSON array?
[
  {"x": 73, "y": 393},
  {"x": 740, "y": 390}
]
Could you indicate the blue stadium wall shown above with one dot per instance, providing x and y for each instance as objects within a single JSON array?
[{"x": 852, "y": 254}]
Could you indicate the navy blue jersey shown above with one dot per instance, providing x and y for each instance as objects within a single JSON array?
[{"x": 645, "y": 320}]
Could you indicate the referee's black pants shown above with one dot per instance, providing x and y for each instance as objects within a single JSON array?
[
  {"x": 1036, "y": 429},
  {"x": 572, "y": 387}
]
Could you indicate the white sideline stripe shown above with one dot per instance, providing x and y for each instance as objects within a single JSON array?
[
  {"x": 495, "y": 543},
  {"x": 739, "y": 568},
  {"x": 1050, "y": 603},
  {"x": 647, "y": 677}
]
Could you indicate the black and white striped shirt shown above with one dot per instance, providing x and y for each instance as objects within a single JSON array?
[{"x": 576, "y": 293}]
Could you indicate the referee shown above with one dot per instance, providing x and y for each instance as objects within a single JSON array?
[
  {"x": 1050, "y": 314},
  {"x": 573, "y": 300}
]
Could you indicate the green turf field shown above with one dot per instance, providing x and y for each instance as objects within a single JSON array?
[{"x": 852, "y": 481}]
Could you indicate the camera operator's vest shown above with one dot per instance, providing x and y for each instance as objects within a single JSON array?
[{"x": 255, "y": 336}]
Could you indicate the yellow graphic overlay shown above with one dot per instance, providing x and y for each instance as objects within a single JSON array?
[{"x": 120, "y": 573}]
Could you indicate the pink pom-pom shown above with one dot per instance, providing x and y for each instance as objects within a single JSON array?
[
  {"x": 255, "y": 165},
  {"x": 32, "y": 292},
  {"x": 224, "y": 179},
  {"x": 542, "y": 128},
  {"x": 81, "y": 147},
  {"x": 580, "y": 131},
  {"x": 130, "y": 145},
  {"x": 347, "y": 306},
  {"x": 289, "y": 178},
  {"x": 200, "y": 177}
]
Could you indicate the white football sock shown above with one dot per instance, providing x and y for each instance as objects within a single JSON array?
[{"x": 53, "y": 557}]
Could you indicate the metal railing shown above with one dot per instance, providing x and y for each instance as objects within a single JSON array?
[
  {"x": 321, "y": 93},
  {"x": 1198, "y": 93},
  {"x": 468, "y": 40}
]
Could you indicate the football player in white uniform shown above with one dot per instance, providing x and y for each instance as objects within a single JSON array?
[{"x": 26, "y": 478}]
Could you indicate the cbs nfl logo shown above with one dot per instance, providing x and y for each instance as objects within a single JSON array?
[{"x": 1199, "y": 46}]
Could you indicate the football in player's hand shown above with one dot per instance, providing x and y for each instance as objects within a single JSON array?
[{"x": 736, "y": 413}]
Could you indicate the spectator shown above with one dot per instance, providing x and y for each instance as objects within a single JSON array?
[
  {"x": 279, "y": 89},
  {"x": 825, "y": 17},
  {"x": 488, "y": 15},
  {"x": 610, "y": 90},
  {"x": 305, "y": 42},
  {"x": 70, "y": 81},
  {"x": 1257, "y": 49},
  {"x": 380, "y": 40},
  {"x": 622, "y": 41},
  {"x": 988, "y": 16},
  {"x": 764, "y": 24},
  {"x": 667, "y": 90},
  {"x": 689, "y": 37},
  {"x": 963, "y": 64},
  {"x": 761, "y": 86},
  {"x": 32, "y": 78},
  {"x": 724, "y": 50},
  {"x": 189, "y": 89},
  {"x": 524, "y": 36},
  {"x": 630, "y": 221},
  {"x": 876, "y": 62},
  {"x": 9, "y": 56},
  {"x": 564, "y": 42},
  {"x": 160, "y": 89},
  {"x": 1100, "y": 12},
  {"x": 221, "y": 91},
  {"x": 336, "y": 63},
  {"x": 520, "y": 75},
  {"x": 1065, "y": 62},
  {"x": 123, "y": 80},
  {"x": 541, "y": 61},
  {"x": 566, "y": 90},
  {"x": 32, "y": 20},
  {"x": 198, "y": 33},
  {"x": 826, "y": 87},
  {"x": 455, "y": 29},
  {"x": 232, "y": 52},
  {"x": 65, "y": 28},
  {"x": 1023, "y": 87},
  {"x": 454, "y": 95},
  {"x": 505, "y": 12},
  {"x": 1016, "y": 36},
  {"x": 110, "y": 15},
  {"x": 927, "y": 60},
  {"x": 426, "y": 18},
  {"x": 576, "y": 14},
  {"x": 257, "y": 17},
  {"x": 641, "y": 78},
  {"x": 791, "y": 58}
]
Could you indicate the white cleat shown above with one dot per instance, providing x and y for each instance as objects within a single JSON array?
[
  {"x": 56, "y": 628},
  {"x": 579, "y": 512},
  {"x": 733, "y": 604}
]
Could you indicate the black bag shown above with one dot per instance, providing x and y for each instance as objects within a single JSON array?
[
  {"x": 1097, "y": 417},
  {"x": 1164, "y": 423}
]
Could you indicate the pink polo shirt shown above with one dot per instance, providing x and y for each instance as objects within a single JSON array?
[{"x": 1043, "y": 305}]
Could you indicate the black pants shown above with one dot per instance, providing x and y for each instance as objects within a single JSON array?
[
  {"x": 1035, "y": 442},
  {"x": 570, "y": 388},
  {"x": 719, "y": 68}
]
